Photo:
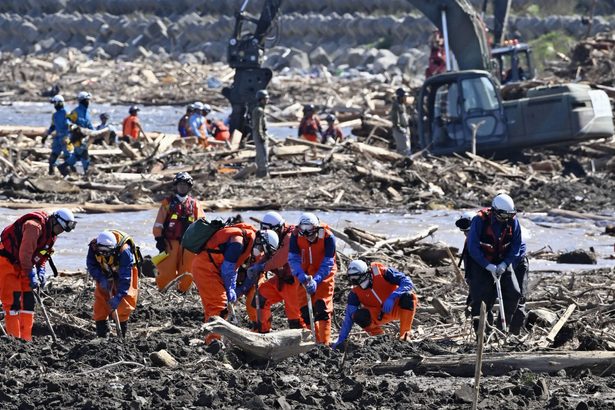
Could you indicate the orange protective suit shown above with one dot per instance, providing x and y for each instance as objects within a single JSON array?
[
  {"x": 26, "y": 245},
  {"x": 282, "y": 287},
  {"x": 172, "y": 220},
  {"x": 207, "y": 268},
  {"x": 313, "y": 256}
]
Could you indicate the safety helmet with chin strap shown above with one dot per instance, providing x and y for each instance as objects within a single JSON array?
[
  {"x": 268, "y": 240},
  {"x": 106, "y": 243},
  {"x": 503, "y": 206},
  {"x": 308, "y": 224},
  {"x": 65, "y": 218},
  {"x": 272, "y": 220},
  {"x": 357, "y": 272}
]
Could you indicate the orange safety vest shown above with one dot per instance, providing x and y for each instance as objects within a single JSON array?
[
  {"x": 220, "y": 131},
  {"x": 381, "y": 288},
  {"x": 179, "y": 216},
  {"x": 494, "y": 249},
  {"x": 312, "y": 254},
  {"x": 223, "y": 236},
  {"x": 308, "y": 128},
  {"x": 11, "y": 238}
]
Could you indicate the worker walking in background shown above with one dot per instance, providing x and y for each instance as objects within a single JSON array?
[
  {"x": 379, "y": 295},
  {"x": 113, "y": 261},
  {"x": 497, "y": 253},
  {"x": 25, "y": 247},
  {"x": 176, "y": 213},
  {"x": 59, "y": 125},
  {"x": 80, "y": 116},
  {"x": 309, "y": 127},
  {"x": 312, "y": 262},
  {"x": 259, "y": 134},
  {"x": 131, "y": 126},
  {"x": 333, "y": 134},
  {"x": 399, "y": 118},
  {"x": 183, "y": 125}
]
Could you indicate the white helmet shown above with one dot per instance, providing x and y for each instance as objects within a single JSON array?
[
  {"x": 272, "y": 220},
  {"x": 308, "y": 223},
  {"x": 65, "y": 218},
  {"x": 84, "y": 95},
  {"x": 357, "y": 271},
  {"x": 57, "y": 99},
  {"x": 106, "y": 239},
  {"x": 198, "y": 105},
  {"x": 206, "y": 108},
  {"x": 268, "y": 240},
  {"x": 465, "y": 220},
  {"x": 503, "y": 203}
]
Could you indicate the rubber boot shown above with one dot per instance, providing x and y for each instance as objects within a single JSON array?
[
  {"x": 124, "y": 328},
  {"x": 102, "y": 328},
  {"x": 294, "y": 324},
  {"x": 323, "y": 332},
  {"x": 51, "y": 170},
  {"x": 406, "y": 317},
  {"x": 11, "y": 322},
  {"x": 26, "y": 321}
]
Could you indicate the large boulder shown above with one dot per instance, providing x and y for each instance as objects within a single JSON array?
[
  {"x": 385, "y": 59},
  {"x": 28, "y": 32},
  {"x": 298, "y": 59},
  {"x": 320, "y": 56},
  {"x": 114, "y": 48}
]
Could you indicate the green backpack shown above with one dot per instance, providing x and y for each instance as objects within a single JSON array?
[{"x": 199, "y": 232}]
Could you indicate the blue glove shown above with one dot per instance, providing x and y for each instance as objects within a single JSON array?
[
  {"x": 255, "y": 269},
  {"x": 34, "y": 282},
  {"x": 115, "y": 302},
  {"x": 302, "y": 277},
  {"x": 105, "y": 284},
  {"x": 387, "y": 306},
  {"x": 231, "y": 296},
  {"x": 311, "y": 286},
  {"x": 338, "y": 344}
]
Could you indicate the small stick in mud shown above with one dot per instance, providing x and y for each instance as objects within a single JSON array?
[
  {"x": 479, "y": 354},
  {"x": 39, "y": 300},
  {"x": 118, "y": 327}
]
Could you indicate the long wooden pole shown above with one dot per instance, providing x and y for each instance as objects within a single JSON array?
[{"x": 479, "y": 354}]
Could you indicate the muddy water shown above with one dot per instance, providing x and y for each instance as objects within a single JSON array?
[{"x": 539, "y": 231}]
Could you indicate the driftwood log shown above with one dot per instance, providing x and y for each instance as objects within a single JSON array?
[
  {"x": 270, "y": 346},
  {"x": 601, "y": 363}
]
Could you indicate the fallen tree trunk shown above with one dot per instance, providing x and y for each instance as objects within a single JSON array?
[
  {"x": 601, "y": 363},
  {"x": 270, "y": 346},
  {"x": 88, "y": 208}
]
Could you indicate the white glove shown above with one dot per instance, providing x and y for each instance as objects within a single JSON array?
[
  {"x": 492, "y": 269},
  {"x": 501, "y": 268}
]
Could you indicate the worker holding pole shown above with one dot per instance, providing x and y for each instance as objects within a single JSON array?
[
  {"x": 25, "y": 247},
  {"x": 312, "y": 262},
  {"x": 114, "y": 261},
  {"x": 497, "y": 266}
]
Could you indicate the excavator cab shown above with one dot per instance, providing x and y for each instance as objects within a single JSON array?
[
  {"x": 452, "y": 104},
  {"x": 513, "y": 62}
]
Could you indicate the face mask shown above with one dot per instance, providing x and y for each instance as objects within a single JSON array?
[
  {"x": 256, "y": 251},
  {"x": 364, "y": 284}
]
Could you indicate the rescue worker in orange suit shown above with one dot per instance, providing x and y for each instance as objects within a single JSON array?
[
  {"x": 215, "y": 271},
  {"x": 176, "y": 213},
  {"x": 379, "y": 295},
  {"x": 218, "y": 129},
  {"x": 24, "y": 249},
  {"x": 312, "y": 262},
  {"x": 131, "y": 126},
  {"x": 309, "y": 127},
  {"x": 182, "y": 125},
  {"x": 112, "y": 262},
  {"x": 497, "y": 253},
  {"x": 265, "y": 246},
  {"x": 333, "y": 134},
  {"x": 283, "y": 286}
]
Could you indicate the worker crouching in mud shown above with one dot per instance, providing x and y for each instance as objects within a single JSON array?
[
  {"x": 176, "y": 213},
  {"x": 215, "y": 271},
  {"x": 379, "y": 295},
  {"x": 113, "y": 261}
]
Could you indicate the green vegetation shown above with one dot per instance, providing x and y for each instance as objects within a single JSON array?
[
  {"x": 545, "y": 47},
  {"x": 555, "y": 7}
]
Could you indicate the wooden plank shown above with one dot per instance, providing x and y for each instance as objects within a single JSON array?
[
  {"x": 287, "y": 150},
  {"x": 560, "y": 323},
  {"x": 235, "y": 139},
  {"x": 379, "y": 175},
  {"x": 301, "y": 141},
  {"x": 578, "y": 215},
  {"x": 297, "y": 171},
  {"x": 87, "y": 207},
  {"x": 376, "y": 152}
]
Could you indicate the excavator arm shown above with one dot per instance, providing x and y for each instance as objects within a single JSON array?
[{"x": 469, "y": 41}]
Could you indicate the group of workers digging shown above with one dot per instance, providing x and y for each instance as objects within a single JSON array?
[{"x": 69, "y": 140}]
